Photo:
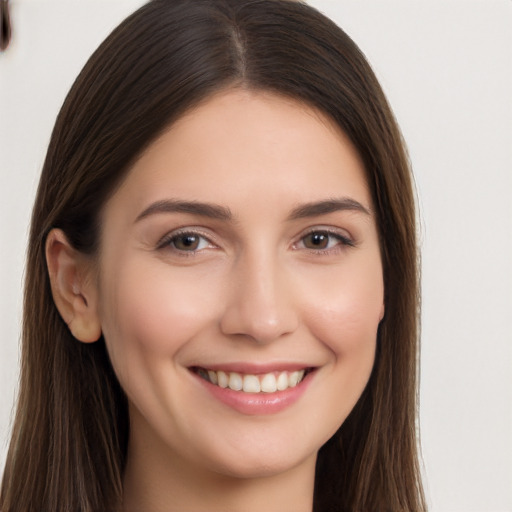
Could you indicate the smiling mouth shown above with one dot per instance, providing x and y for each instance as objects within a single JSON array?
[{"x": 249, "y": 383}]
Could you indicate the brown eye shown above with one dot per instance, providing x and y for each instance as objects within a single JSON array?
[
  {"x": 186, "y": 242},
  {"x": 317, "y": 240},
  {"x": 324, "y": 241}
]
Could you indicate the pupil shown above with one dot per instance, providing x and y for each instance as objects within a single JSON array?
[
  {"x": 187, "y": 242},
  {"x": 318, "y": 239}
]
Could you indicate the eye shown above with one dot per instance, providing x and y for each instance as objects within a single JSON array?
[
  {"x": 185, "y": 241},
  {"x": 323, "y": 240}
]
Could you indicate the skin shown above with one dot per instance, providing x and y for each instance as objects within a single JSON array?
[{"x": 254, "y": 289}]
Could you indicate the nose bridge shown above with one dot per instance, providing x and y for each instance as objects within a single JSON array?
[{"x": 260, "y": 304}]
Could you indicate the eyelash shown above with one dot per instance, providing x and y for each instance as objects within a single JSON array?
[{"x": 169, "y": 241}]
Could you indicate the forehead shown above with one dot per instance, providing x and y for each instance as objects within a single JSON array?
[{"x": 241, "y": 146}]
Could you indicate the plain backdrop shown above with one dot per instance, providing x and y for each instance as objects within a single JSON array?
[{"x": 446, "y": 68}]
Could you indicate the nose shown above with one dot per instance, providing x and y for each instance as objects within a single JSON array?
[{"x": 260, "y": 301}]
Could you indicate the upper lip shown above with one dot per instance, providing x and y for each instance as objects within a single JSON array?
[{"x": 254, "y": 368}]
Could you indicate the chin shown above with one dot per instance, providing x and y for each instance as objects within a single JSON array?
[
  {"x": 262, "y": 467},
  {"x": 260, "y": 458}
]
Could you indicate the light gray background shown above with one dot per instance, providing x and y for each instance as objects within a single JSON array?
[{"x": 446, "y": 67}]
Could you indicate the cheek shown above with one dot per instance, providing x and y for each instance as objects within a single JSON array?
[
  {"x": 349, "y": 331},
  {"x": 151, "y": 312},
  {"x": 347, "y": 326},
  {"x": 344, "y": 314}
]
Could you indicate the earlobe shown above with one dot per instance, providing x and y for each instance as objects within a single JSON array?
[
  {"x": 382, "y": 312},
  {"x": 74, "y": 291}
]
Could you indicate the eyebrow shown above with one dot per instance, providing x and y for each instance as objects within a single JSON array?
[
  {"x": 328, "y": 206},
  {"x": 212, "y": 211},
  {"x": 218, "y": 212}
]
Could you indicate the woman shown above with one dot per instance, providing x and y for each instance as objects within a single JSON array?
[{"x": 221, "y": 292}]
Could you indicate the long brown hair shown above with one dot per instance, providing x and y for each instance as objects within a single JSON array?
[{"x": 69, "y": 441}]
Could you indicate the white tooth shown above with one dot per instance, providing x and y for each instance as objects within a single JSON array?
[
  {"x": 235, "y": 381},
  {"x": 293, "y": 379},
  {"x": 301, "y": 375},
  {"x": 282, "y": 381},
  {"x": 268, "y": 383},
  {"x": 213, "y": 376},
  {"x": 251, "y": 384},
  {"x": 222, "y": 379}
]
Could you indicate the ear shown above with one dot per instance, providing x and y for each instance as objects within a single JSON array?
[
  {"x": 382, "y": 311},
  {"x": 73, "y": 286}
]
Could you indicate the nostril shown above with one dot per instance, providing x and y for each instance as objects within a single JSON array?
[{"x": 245, "y": 325}]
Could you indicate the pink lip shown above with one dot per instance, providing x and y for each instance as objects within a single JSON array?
[
  {"x": 257, "y": 403},
  {"x": 255, "y": 368}
]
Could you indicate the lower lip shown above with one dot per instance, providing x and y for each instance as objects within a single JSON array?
[{"x": 257, "y": 403}]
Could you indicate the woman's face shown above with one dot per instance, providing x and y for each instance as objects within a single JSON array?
[{"x": 241, "y": 251}]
